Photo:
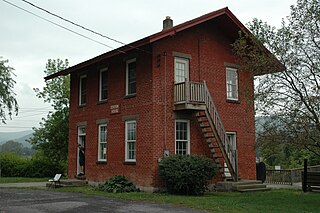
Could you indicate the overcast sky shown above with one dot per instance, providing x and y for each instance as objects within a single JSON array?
[{"x": 28, "y": 41}]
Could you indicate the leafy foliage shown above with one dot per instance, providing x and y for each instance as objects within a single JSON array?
[
  {"x": 8, "y": 102},
  {"x": 52, "y": 136},
  {"x": 12, "y": 165},
  {"x": 187, "y": 175},
  {"x": 16, "y": 147},
  {"x": 285, "y": 153},
  {"x": 38, "y": 166},
  {"x": 118, "y": 184},
  {"x": 291, "y": 98}
]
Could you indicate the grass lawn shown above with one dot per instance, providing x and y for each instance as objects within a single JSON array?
[
  {"x": 21, "y": 180},
  {"x": 271, "y": 201}
]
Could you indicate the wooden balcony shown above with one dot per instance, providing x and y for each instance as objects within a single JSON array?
[{"x": 189, "y": 96}]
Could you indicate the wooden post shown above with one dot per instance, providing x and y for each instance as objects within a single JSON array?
[
  {"x": 291, "y": 177},
  {"x": 305, "y": 175},
  {"x": 187, "y": 91}
]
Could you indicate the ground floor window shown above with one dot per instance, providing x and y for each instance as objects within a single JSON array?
[
  {"x": 102, "y": 147},
  {"x": 131, "y": 137},
  {"x": 182, "y": 137}
]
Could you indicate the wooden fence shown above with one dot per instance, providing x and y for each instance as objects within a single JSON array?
[{"x": 287, "y": 176}]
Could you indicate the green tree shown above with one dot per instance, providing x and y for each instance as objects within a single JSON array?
[
  {"x": 8, "y": 102},
  {"x": 291, "y": 98},
  {"x": 52, "y": 135},
  {"x": 12, "y": 146}
]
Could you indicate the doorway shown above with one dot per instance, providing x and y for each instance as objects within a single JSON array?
[{"x": 82, "y": 143}]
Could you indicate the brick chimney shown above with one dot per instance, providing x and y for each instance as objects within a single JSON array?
[{"x": 167, "y": 23}]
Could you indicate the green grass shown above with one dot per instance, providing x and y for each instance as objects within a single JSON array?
[
  {"x": 294, "y": 201},
  {"x": 21, "y": 179}
]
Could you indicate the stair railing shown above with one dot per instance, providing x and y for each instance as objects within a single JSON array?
[{"x": 220, "y": 133}]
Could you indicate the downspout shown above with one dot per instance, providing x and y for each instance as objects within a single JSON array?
[{"x": 165, "y": 103}]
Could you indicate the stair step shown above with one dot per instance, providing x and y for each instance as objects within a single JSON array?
[
  {"x": 201, "y": 114},
  {"x": 206, "y": 135},
  {"x": 202, "y": 119},
  {"x": 206, "y": 130},
  {"x": 214, "y": 154},
  {"x": 204, "y": 124},
  {"x": 247, "y": 182},
  {"x": 254, "y": 190},
  {"x": 212, "y": 146},
  {"x": 250, "y": 186}
]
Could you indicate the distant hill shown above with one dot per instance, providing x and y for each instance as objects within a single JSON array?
[{"x": 20, "y": 137}]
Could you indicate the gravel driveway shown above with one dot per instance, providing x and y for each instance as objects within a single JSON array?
[{"x": 38, "y": 201}]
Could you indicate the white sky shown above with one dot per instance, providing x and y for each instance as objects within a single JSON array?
[{"x": 28, "y": 41}]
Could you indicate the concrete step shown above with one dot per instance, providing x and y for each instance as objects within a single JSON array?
[
  {"x": 254, "y": 190},
  {"x": 247, "y": 182},
  {"x": 73, "y": 182},
  {"x": 241, "y": 186},
  {"x": 249, "y": 186}
]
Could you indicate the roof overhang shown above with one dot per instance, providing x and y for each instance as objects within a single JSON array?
[{"x": 231, "y": 23}]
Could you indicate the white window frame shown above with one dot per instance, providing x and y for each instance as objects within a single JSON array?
[
  {"x": 184, "y": 61},
  {"x": 100, "y": 157},
  {"x": 188, "y": 135},
  {"x": 127, "y": 141},
  {"x": 104, "y": 70},
  {"x": 234, "y": 142},
  {"x": 231, "y": 83},
  {"x": 80, "y": 90},
  {"x": 127, "y": 76}
]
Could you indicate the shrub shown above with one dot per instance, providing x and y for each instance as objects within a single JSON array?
[
  {"x": 38, "y": 166},
  {"x": 12, "y": 165},
  {"x": 43, "y": 167},
  {"x": 187, "y": 175},
  {"x": 118, "y": 184}
]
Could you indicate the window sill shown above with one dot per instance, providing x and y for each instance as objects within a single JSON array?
[
  {"x": 233, "y": 101},
  {"x": 130, "y": 96},
  {"x": 102, "y": 102},
  {"x": 82, "y": 105},
  {"x": 129, "y": 163},
  {"x": 101, "y": 162}
]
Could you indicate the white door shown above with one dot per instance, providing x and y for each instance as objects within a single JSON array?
[{"x": 181, "y": 70}]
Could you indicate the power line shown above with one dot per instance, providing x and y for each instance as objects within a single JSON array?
[
  {"x": 18, "y": 127},
  {"x": 25, "y": 116},
  {"x": 85, "y": 28},
  {"x": 72, "y": 31}
]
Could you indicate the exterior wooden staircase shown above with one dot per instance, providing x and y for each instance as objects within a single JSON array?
[{"x": 196, "y": 96}]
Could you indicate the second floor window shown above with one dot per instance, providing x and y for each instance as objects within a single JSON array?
[
  {"x": 131, "y": 77},
  {"x": 82, "y": 90},
  {"x": 232, "y": 83},
  {"x": 103, "y": 85}
]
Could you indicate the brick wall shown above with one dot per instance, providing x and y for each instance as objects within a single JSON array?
[{"x": 209, "y": 50}]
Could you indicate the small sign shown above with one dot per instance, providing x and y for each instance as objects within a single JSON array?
[
  {"x": 166, "y": 153},
  {"x": 115, "y": 109}
]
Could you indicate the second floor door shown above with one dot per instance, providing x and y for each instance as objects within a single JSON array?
[{"x": 181, "y": 70}]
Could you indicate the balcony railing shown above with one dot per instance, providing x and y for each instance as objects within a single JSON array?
[{"x": 189, "y": 95}]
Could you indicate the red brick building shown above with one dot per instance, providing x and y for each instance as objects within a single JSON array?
[{"x": 176, "y": 91}]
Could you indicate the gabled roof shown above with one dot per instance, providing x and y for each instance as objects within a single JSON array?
[{"x": 224, "y": 15}]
